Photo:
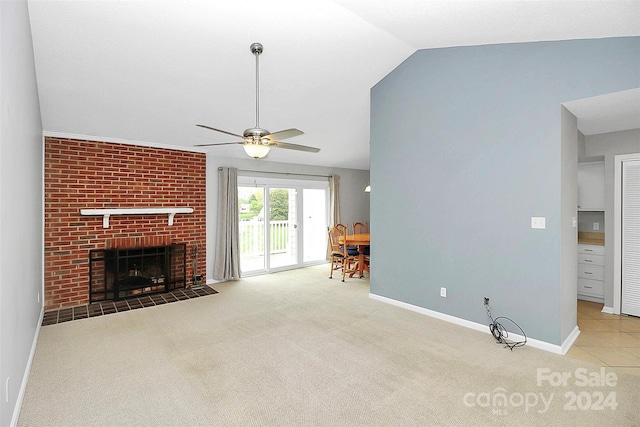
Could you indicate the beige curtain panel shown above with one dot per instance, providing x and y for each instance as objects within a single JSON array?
[
  {"x": 334, "y": 206},
  {"x": 227, "y": 261}
]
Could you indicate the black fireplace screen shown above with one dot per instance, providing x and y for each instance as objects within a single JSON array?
[{"x": 121, "y": 273}]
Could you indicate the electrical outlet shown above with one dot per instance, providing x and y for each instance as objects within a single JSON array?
[
  {"x": 596, "y": 226},
  {"x": 443, "y": 292},
  {"x": 486, "y": 301}
]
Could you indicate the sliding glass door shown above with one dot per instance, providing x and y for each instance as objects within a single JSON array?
[
  {"x": 314, "y": 224},
  {"x": 282, "y": 224},
  {"x": 283, "y": 228},
  {"x": 251, "y": 228}
]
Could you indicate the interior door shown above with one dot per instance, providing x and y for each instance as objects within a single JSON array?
[{"x": 630, "y": 275}]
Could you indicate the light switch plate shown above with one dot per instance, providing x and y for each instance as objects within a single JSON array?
[{"x": 538, "y": 222}]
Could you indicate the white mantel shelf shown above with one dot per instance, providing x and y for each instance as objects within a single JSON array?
[{"x": 107, "y": 213}]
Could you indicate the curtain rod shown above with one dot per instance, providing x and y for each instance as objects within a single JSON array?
[{"x": 282, "y": 173}]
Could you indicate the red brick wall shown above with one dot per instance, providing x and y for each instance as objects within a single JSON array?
[{"x": 91, "y": 175}]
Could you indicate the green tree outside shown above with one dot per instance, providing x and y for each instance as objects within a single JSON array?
[{"x": 279, "y": 204}]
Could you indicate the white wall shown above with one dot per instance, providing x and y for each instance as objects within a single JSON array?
[
  {"x": 609, "y": 145},
  {"x": 354, "y": 202},
  {"x": 569, "y": 142},
  {"x": 21, "y": 206}
]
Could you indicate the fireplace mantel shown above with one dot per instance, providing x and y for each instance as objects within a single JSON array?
[{"x": 107, "y": 213}]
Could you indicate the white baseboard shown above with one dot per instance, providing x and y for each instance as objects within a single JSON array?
[
  {"x": 608, "y": 310},
  {"x": 542, "y": 345},
  {"x": 567, "y": 343},
  {"x": 27, "y": 371}
]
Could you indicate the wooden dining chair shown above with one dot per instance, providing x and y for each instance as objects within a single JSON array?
[
  {"x": 363, "y": 227},
  {"x": 345, "y": 229},
  {"x": 360, "y": 227},
  {"x": 340, "y": 254}
]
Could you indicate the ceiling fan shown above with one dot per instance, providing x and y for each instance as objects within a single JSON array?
[{"x": 257, "y": 142}]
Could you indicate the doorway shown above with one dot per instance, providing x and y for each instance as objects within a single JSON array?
[{"x": 282, "y": 224}]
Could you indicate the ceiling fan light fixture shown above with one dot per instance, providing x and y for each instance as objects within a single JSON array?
[
  {"x": 257, "y": 142},
  {"x": 257, "y": 151}
]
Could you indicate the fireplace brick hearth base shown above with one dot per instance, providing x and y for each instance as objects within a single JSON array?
[{"x": 96, "y": 309}]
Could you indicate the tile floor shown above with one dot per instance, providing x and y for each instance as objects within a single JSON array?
[{"x": 607, "y": 339}]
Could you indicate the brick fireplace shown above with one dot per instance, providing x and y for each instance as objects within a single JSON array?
[{"x": 82, "y": 175}]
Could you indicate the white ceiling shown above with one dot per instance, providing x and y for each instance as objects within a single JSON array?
[
  {"x": 148, "y": 71},
  {"x": 611, "y": 112}
]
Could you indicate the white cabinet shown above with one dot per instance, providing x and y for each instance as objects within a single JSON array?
[
  {"x": 591, "y": 273},
  {"x": 591, "y": 186}
]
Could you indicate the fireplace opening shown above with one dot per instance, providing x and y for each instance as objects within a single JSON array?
[{"x": 120, "y": 273}]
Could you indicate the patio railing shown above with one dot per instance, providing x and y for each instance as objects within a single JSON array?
[{"x": 252, "y": 237}]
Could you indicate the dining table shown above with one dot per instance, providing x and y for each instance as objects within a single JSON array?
[{"x": 360, "y": 240}]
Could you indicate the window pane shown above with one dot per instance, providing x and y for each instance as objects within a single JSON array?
[{"x": 251, "y": 228}]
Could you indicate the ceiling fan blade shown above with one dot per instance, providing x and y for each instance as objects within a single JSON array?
[
  {"x": 219, "y": 143},
  {"x": 289, "y": 146},
  {"x": 284, "y": 134},
  {"x": 220, "y": 130}
]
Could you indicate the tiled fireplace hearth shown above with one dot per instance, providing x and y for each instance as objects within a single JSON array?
[
  {"x": 96, "y": 309},
  {"x": 153, "y": 198}
]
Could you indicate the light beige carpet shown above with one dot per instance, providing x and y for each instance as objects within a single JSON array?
[{"x": 296, "y": 348}]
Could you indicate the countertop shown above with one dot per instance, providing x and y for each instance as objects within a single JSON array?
[{"x": 587, "y": 238}]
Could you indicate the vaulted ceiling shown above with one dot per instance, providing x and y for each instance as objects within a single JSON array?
[{"x": 149, "y": 71}]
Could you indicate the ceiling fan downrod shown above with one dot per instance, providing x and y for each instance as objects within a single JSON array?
[
  {"x": 257, "y": 135},
  {"x": 256, "y": 49}
]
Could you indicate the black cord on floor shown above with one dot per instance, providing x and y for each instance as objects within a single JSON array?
[{"x": 501, "y": 334}]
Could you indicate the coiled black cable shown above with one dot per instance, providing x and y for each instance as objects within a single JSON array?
[{"x": 501, "y": 334}]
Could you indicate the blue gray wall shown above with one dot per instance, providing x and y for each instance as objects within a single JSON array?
[
  {"x": 21, "y": 206},
  {"x": 466, "y": 147}
]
